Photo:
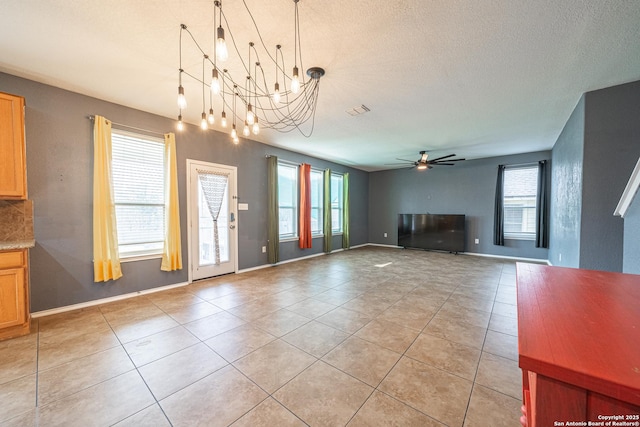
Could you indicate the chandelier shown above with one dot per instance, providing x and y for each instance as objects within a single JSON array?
[{"x": 255, "y": 96}]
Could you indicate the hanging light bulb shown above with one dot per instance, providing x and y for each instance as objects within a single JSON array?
[
  {"x": 276, "y": 93},
  {"x": 256, "y": 127},
  {"x": 180, "y": 125},
  {"x": 295, "y": 81},
  {"x": 283, "y": 113},
  {"x": 182, "y": 100},
  {"x": 234, "y": 133},
  {"x": 221, "y": 45},
  {"x": 236, "y": 140},
  {"x": 245, "y": 130},
  {"x": 215, "y": 82},
  {"x": 250, "y": 116},
  {"x": 203, "y": 122}
]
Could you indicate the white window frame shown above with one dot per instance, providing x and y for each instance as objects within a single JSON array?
[
  {"x": 294, "y": 197},
  {"x": 320, "y": 208},
  {"x": 526, "y": 204},
  {"x": 340, "y": 204},
  {"x": 146, "y": 249}
]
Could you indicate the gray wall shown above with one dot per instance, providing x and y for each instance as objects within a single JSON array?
[
  {"x": 603, "y": 154},
  {"x": 566, "y": 191},
  {"x": 631, "y": 253},
  {"x": 59, "y": 174},
  {"x": 611, "y": 150},
  {"x": 467, "y": 188}
]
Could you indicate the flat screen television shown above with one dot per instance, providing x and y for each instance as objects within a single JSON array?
[{"x": 432, "y": 232}]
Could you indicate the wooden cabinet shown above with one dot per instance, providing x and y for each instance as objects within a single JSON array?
[
  {"x": 13, "y": 163},
  {"x": 579, "y": 345},
  {"x": 14, "y": 294}
]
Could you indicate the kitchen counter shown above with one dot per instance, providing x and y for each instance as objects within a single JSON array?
[
  {"x": 16, "y": 225},
  {"x": 21, "y": 244}
]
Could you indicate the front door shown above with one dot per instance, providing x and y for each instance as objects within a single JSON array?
[{"x": 213, "y": 232}]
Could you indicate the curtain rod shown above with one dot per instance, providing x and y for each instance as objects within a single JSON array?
[
  {"x": 152, "y": 132},
  {"x": 519, "y": 165}
]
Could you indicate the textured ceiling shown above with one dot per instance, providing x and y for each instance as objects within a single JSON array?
[{"x": 475, "y": 78}]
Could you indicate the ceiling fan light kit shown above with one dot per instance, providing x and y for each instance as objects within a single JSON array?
[
  {"x": 260, "y": 107},
  {"x": 424, "y": 163}
]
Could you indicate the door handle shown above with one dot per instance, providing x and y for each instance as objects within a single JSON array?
[{"x": 232, "y": 226}]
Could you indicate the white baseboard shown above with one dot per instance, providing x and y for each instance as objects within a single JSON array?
[
  {"x": 259, "y": 267},
  {"x": 360, "y": 246},
  {"x": 382, "y": 245},
  {"x": 105, "y": 300},
  {"x": 515, "y": 258},
  {"x": 287, "y": 261}
]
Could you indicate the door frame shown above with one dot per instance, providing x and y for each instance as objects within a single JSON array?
[{"x": 233, "y": 207}]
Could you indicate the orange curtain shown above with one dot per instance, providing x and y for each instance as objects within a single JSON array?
[{"x": 305, "y": 206}]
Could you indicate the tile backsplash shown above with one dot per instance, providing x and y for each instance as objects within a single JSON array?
[{"x": 16, "y": 220}]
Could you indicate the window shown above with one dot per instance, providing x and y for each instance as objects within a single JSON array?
[
  {"x": 138, "y": 191},
  {"x": 337, "y": 203},
  {"x": 288, "y": 200},
  {"x": 317, "y": 186},
  {"x": 520, "y": 189}
]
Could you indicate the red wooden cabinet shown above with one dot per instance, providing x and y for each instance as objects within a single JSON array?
[{"x": 579, "y": 346}]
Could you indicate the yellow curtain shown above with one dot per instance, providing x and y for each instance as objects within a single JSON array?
[
  {"x": 106, "y": 258},
  {"x": 172, "y": 253}
]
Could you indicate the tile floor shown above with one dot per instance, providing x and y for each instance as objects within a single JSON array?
[{"x": 428, "y": 340}]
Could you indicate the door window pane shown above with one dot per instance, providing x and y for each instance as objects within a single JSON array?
[{"x": 205, "y": 221}]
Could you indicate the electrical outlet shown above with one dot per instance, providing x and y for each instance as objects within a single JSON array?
[
  {"x": 477, "y": 241},
  {"x": 385, "y": 234},
  {"x": 264, "y": 249}
]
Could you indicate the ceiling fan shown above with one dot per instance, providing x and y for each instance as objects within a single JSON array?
[{"x": 424, "y": 163}]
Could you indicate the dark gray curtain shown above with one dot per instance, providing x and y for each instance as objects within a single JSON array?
[
  {"x": 498, "y": 219},
  {"x": 273, "y": 229},
  {"x": 542, "y": 206}
]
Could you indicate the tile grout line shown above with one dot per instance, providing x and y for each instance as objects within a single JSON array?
[
  {"x": 139, "y": 374},
  {"x": 376, "y": 388},
  {"x": 360, "y": 292}
]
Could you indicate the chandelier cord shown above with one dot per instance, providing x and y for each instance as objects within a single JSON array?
[
  {"x": 295, "y": 110},
  {"x": 184, "y": 27}
]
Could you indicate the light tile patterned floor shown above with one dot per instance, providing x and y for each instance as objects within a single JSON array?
[{"x": 428, "y": 340}]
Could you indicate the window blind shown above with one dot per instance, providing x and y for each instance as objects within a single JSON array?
[{"x": 138, "y": 186}]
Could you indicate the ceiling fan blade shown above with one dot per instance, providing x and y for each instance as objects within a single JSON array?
[
  {"x": 405, "y": 160},
  {"x": 443, "y": 157},
  {"x": 455, "y": 160},
  {"x": 396, "y": 164},
  {"x": 443, "y": 164}
]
